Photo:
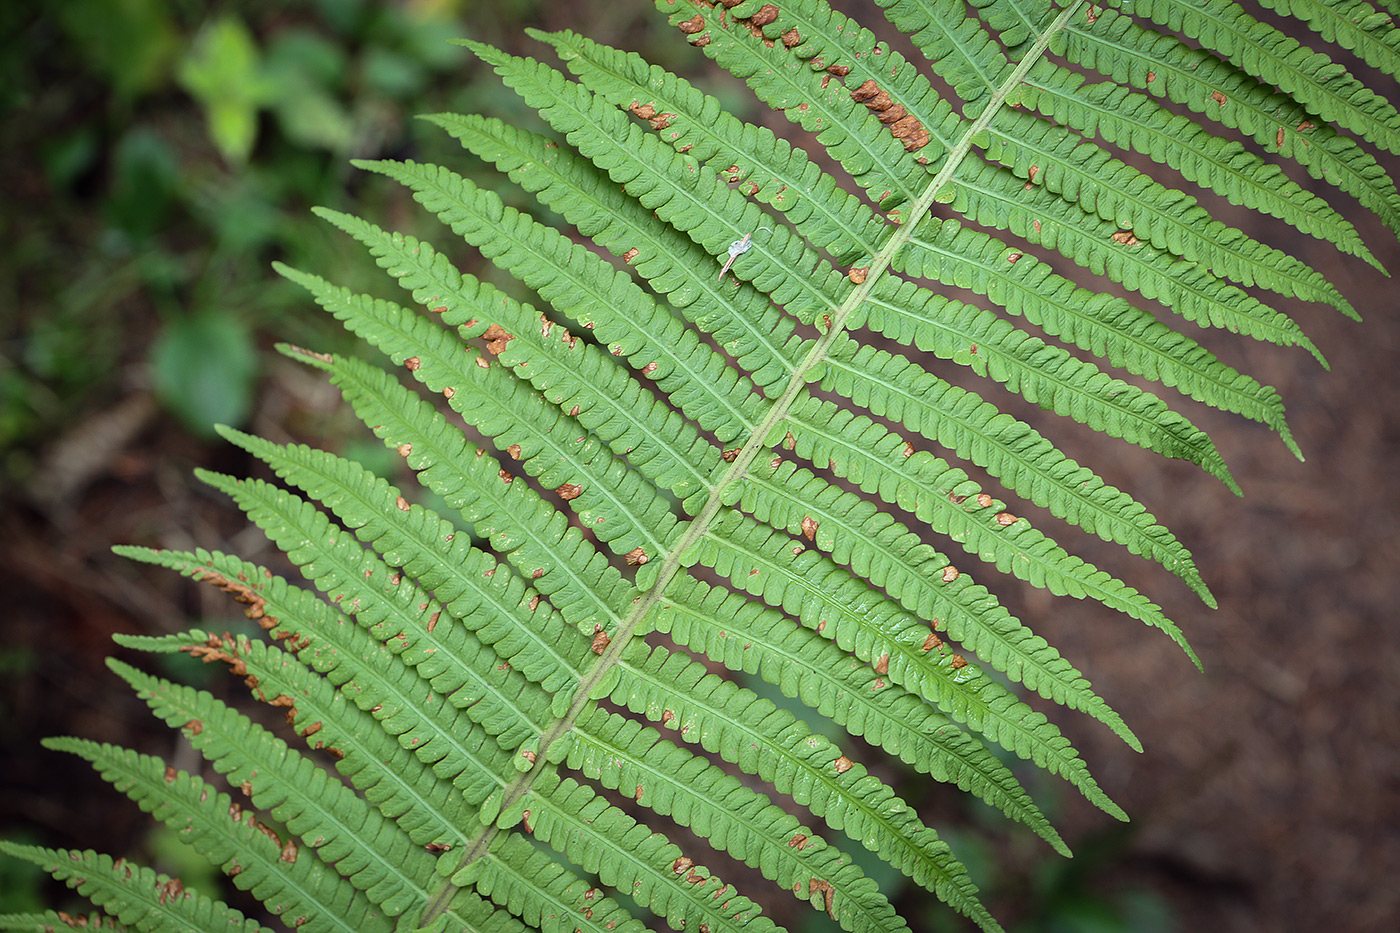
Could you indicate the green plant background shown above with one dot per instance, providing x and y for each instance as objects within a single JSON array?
[{"x": 160, "y": 154}]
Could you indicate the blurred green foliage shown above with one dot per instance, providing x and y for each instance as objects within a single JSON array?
[{"x": 160, "y": 153}]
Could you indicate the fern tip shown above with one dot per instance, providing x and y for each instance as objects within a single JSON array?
[{"x": 301, "y": 354}]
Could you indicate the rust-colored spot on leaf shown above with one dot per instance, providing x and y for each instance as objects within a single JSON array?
[
  {"x": 505, "y": 477},
  {"x": 496, "y": 339},
  {"x": 842, "y": 764},
  {"x": 798, "y": 842},
  {"x": 789, "y": 442},
  {"x": 404, "y": 449},
  {"x": 528, "y": 755},
  {"x": 1013, "y": 257},
  {"x": 1035, "y": 225},
  {"x": 765, "y": 15},
  {"x": 630, "y": 255},
  {"x": 433, "y": 620},
  {"x": 950, "y": 573},
  {"x": 662, "y": 120},
  {"x": 681, "y": 865},
  {"x": 171, "y": 890},
  {"x": 666, "y": 717},
  {"x": 648, "y": 369},
  {"x": 984, "y": 500},
  {"x": 839, "y": 70},
  {"x": 729, "y": 456},
  {"x": 1219, "y": 98},
  {"x": 791, "y": 38},
  {"x": 880, "y": 102},
  {"x": 514, "y": 451},
  {"x": 701, "y": 41},
  {"x": 413, "y": 363},
  {"x": 1005, "y": 518},
  {"x": 600, "y": 640},
  {"x": 1031, "y": 172},
  {"x": 867, "y": 91},
  {"x": 1091, "y": 15},
  {"x": 569, "y": 491},
  {"x": 1151, "y": 76},
  {"x": 809, "y": 527},
  {"x": 893, "y": 115},
  {"x": 402, "y": 504},
  {"x": 933, "y": 641},
  {"x": 448, "y": 392},
  {"x": 1305, "y": 126},
  {"x": 647, "y": 111},
  {"x": 483, "y": 362},
  {"x": 957, "y": 662},
  {"x": 858, "y": 274},
  {"x": 636, "y": 795},
  {"x": 824, "y": 887},
  {"x": 437, "y": 848},
  {"x": 882, "y": 664},
  {"x": 636, "y": 557},
  {"x": 1278, "y": 138},
  {"x": 693, "y": 25},
  {"x": 911, "y": 133},
  {"x": 534, "y": 603}
]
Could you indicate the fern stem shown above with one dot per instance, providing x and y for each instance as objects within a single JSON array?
[{"x": 671, "y": 564}]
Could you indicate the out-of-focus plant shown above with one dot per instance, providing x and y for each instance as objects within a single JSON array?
[{"x": 169, "y": 152}]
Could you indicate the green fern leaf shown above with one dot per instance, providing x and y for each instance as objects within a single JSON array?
[
  {"x": 845, "y": 805},
  {"x": 1317, "y": 82},
  {"x": 658, "y": 471},
  {"x": 568, "y": 816},
  {"x": 608, "y": 748},
  {"x": 135, "y": 895},
  {"x": 1130, "y": 54},
  {"x": 1128, "y": 120},
  {"x": 290, "y": 882}
]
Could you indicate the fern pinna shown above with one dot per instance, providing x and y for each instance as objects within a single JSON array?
[{"x": 719, "y": 451}]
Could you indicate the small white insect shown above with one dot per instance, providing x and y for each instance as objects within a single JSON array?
[{"x": 737, "y": 249}]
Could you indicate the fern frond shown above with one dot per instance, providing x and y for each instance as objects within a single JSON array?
[
  {"x": 919, "y": 852},
  {"x": 768, "y": 741},
  {"x": 431, "y": 368},
  {"x": 365, "y": 848},
  {"x": 133, "y": 894},
  {"x": 607, "y": 748},
  {"x": 853, "y": 531},
  {"x": 1130, "y": 54},
  {"x": 545, "y": 89},
  {"x": 1318, "y": 83},
  {"x": 1129, "y": 120},
  {"x": 1142, "y": 345},
  {"x": 290, "y": 882},
  {"x": 659, "y": 473},
  {"x": 914, "y": 849},
  {"x": 569, "y": 817}
]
